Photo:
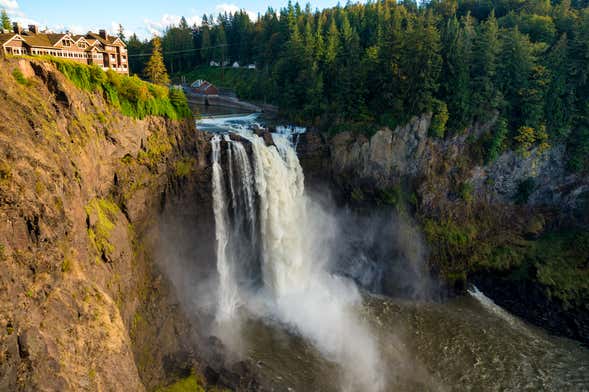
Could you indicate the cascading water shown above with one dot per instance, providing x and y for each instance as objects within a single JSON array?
[
  {"x": 280, "y": 238},
  {"x": 228, "y": 296},
  {"x": 280, "y": 256}
]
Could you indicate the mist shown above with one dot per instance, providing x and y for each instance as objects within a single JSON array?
[{"x": 289, "y": 258}]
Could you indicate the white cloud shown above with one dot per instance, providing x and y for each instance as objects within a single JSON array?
[
  {"x": 9, "y": 5},
  {"x": 156, "y": 27},
  {"x": 233, "y": 8}
]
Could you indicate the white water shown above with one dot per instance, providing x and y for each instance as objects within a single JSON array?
[
  {"x": 228, "y": 296},
  {"x": 296, "y": 238}
]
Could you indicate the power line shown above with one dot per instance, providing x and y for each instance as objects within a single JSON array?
[{"x": 181, "y": 51}]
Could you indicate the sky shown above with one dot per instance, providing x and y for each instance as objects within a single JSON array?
[{"x": 144, "y": 18}]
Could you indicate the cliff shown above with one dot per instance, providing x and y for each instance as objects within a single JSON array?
[
  {"x": 83, "y": 305},
  {"x": 516, "y": 226}
]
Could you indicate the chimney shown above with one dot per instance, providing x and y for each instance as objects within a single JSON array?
[
  {"x": 17, "y": 28},
  {"x": 34, "y": 29},
  {"x": 103, "y": 34}
]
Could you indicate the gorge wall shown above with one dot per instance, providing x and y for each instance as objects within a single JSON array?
[
  {"x": 484, "y": 223},
  {"x": 84, "y": 305}
]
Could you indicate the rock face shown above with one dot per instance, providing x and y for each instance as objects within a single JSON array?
[
  {"x": 83, "y": 304},
  {"x": 448, "y": 188},
  {"x": 407, "y": 153},
  {"x": 386, "y": 156}
]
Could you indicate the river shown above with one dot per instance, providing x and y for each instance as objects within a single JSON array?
[{"x": 306, "y": 328}]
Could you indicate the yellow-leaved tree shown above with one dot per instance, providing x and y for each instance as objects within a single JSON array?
[{"x": 155, "y": 70}]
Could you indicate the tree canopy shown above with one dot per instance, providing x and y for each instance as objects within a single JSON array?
[{"x": 525, "y": 63}]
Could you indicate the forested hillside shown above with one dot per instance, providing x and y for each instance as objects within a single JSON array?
[{"x": 380, "y": 63}]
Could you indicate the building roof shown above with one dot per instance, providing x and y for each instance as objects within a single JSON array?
[
  {"x": 5, "y": 37},
  {"x": 42, "y": 40},
  {"x": 110, "y": 40},
  {"x": 49, "y": 40}
]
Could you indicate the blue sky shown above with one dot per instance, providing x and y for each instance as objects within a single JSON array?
[{"x": 142, "y": 17}]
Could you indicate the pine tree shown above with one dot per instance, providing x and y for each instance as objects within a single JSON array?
[
  {"x": 455, "y": 88},
  {"x": 516, "y": 64},
  {"x": 155, "y": 70},
  {"x": 205, "y": 48},
  {"x": 121, "y": 33},
  {"x": 5, "y": 20},
  {"x": 332, "y": 45},
  {"x": 485, "y": 97}
]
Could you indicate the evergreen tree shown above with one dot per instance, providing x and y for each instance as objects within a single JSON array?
[
  {"x": 455, "y": 87},
  {"x": 121, "y": 33},
  {"x": 5, "y": 20},
  {"x": 514, "y": 75},
  {"x": 485, "y": 95},
  {"x": 205, "y": 48},
  {"x": 137, "y": 51},
  {"x": 155, "y": 70},
  {"x": 220, "y": 46}
]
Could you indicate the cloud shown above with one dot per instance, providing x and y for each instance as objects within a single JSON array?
[
  {"x": 9, "y": 5},
  {"x": 233, "y": 8},
  {"x": 157, "y": 27}
]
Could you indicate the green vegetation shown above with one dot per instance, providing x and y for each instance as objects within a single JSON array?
[
  {"x": 524, "y": 190},
  {"x": 155, "y": 70},
  {"x": 439, "y": 119},
  {"x": 466, "y": 190},
  {"x": 183, "y": 167},
  {"x": 102, "y": 213},
  {"x": 244, "y": 82},
  {"x": 383, "y": 62},
  {"x": 558, "y": 260},
  {"x": 129, "y": 94},
  {"x": 5, "y": 20},
  {"x": 5, "y": 172},
  {"x": 157, "y": 146},
  {"x": 188, "y": 384},
  {"x": 19, "y": 77},
  {"x": 562, "y": 264}
]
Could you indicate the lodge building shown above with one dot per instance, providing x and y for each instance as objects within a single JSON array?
[{"x": 95, "y": 49}]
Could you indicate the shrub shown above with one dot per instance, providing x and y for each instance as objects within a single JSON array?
[
  {"x": 497, "y": 142},
  {"x": 19, "y": 77},
  {"x": 189, "y": 384},
  {"x": 466, "y": 190},
  {"x": 524, "y": 190},
  {"x": 439, "y": 119},
  {"x": 131, "y": 95},
  {"x": 183, "y": 167},
  {"x": 105, "y": 214}
]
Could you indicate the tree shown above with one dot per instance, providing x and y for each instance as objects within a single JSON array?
[
  {"x": 121, "y": 33},
  {"x": 205, "y": 48},
  {"x": 485, "y": 97},
  {"x": 560, "y": 95},
  {"x": 137, "y": 51},
  {"x": 455, "y": 87},
  {"x": 5, "y": 20},
  {"x": 155, "y": 70}
]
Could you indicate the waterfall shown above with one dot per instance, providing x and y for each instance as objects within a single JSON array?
[
  {"x": 277, "y": 234},
  {"x": 228, "y": 295},
  {"x": 279, "y": 182}
]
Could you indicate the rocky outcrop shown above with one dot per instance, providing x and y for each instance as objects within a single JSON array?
[
  {"x": 389, "y": 157},
  {"x": 470, "y": 211},
  {"x": 83, "y": 304}
]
